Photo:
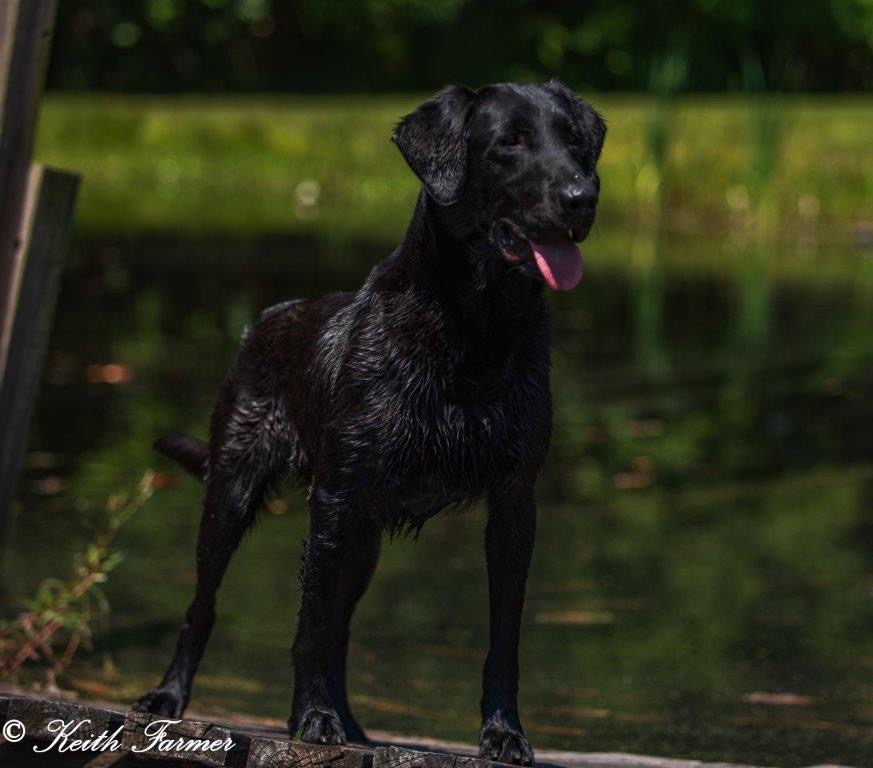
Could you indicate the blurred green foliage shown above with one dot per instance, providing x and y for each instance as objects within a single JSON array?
[
  {"x": 325, "y": 165},
  {"x": 379, "y": 45}
]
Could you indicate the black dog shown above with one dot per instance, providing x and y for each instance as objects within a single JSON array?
[{"x": 427, "y": 388}]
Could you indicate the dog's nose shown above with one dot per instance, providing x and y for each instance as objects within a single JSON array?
[{"x": 578, "y": 195}]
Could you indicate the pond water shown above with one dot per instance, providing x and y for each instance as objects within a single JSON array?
[{"x": 703, "y": 579}]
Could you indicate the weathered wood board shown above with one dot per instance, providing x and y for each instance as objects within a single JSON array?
[
  {"x": 36, "y": 279},
  {"x": 36, "y": 211},
  {"x": 253, "y": 745},
  {"x": 132, "y": 740}
]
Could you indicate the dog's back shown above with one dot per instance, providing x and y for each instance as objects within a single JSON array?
[{"x": 272, "y": 371}]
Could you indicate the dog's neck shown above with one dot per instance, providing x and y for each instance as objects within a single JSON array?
[
  {"x": 446, "y": 258},
  {"x": 485, "y": 318}
]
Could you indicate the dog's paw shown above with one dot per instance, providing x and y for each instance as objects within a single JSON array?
[
  {"x": 317, "y": 726},
  {"x": 502, "y": 743},
  {"x": 165, "y": 701},
  {"x": 354, "y": 732}
]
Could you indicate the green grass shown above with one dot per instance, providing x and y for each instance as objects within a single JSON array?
[{"x": 236, "y": 164}]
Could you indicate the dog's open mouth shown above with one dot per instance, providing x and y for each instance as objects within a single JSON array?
[{"x": 557, "y": 258}]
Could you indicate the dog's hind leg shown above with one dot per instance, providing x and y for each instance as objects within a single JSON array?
[
  {"x": 359, "y": 563},
  {"x": 249, "y": 455}
]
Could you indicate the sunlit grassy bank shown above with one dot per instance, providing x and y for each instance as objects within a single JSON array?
[{"x": 325, "y": 166}]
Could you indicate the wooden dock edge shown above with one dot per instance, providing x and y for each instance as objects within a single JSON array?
[{"x": 252, "y": 747}]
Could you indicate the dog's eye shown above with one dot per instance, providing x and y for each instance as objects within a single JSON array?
[{"x": 511, "y": 140}]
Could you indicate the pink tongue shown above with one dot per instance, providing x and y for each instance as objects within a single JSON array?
[{"x": 560, "y": 263}]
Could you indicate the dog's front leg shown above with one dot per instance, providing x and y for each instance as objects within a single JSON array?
[
  {"x": 509, "y": 541},
  {"x": 314, "y": 718}
]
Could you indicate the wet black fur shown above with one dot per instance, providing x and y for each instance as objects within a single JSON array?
[{"x": 426, "y": 388}]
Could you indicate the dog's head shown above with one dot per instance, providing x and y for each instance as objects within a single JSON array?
[{"x": 515, "y": 165}]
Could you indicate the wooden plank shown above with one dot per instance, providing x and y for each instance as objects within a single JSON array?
[
  {"x": 142, "y": 730},
  {"x": 22, "y": 756},
  {"x": 255, "y": 748},
  {"x": 41, "y": 716},
  {"x": 138, "y": 729},
  {"x": 8, "y": 19},
  {"x": 398, "y": 757},
  {"x": 273, "y": 753},
  {"x": 36, "y": 280},
  {"x": 25, "y": 39}
]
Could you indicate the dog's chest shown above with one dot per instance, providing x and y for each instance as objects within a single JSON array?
[
  {"x": 431, "y": 453},
  {"x": 427, "y": 421}
]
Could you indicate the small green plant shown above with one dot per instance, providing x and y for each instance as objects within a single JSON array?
[{"x": 59, "y": 620}]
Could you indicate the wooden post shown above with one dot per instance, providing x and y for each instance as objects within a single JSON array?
[
  {"x": 25, "y": 37},
  {"x": 36, "y": 206},
  {"x": 47, "y": 217}
]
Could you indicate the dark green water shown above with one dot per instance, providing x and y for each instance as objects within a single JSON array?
[{"x": 703, "y": 580}]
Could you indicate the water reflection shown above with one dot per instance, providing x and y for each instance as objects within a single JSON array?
[{"x": 703, "y": 583}]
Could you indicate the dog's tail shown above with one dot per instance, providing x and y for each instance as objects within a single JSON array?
[{"x": 191, "y": 453}]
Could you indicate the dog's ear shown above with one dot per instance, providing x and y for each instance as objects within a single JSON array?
[
  {"x": 586, "y": 116},
  {"x": 433, "y": 141}
]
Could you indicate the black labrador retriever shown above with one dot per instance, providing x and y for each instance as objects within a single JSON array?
[{"x": 427, "y": 388}]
